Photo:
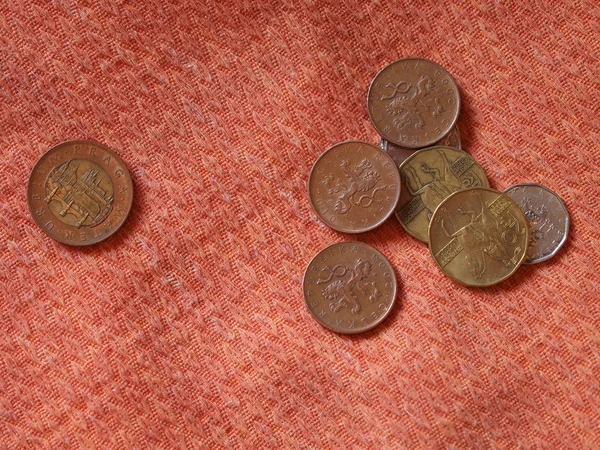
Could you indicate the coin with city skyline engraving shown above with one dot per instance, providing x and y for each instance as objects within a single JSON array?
[
  {"x": 400, "y": 154},
  {"x": 428, "y": 177},
  {"x": 413, "y": 102},
  {"x": 349, "y": 287},
  {"x": 80, "y": 192},
  {"x": 354, "y": 187},
  {"x": 546, "y": 216},
  {"x": 478, "y": 237}
]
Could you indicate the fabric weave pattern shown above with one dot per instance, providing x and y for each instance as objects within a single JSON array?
[{"x": 187, "y": 329}]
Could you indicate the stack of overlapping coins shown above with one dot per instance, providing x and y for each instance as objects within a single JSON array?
[{"x": 440, "y": 195}]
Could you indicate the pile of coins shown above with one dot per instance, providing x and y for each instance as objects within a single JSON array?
[
  {"x": 80, "y": 193},
  {"x": 440, "y": 195}
]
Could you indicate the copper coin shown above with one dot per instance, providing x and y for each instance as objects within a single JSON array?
[
  {"x": 413, "y": 102},
  {"x": 428, "y": 177},
  {"x": 400, "y": 154},
  {"x": 80, "y": 192},
  {"x": 354, "y": 187},
  {"x": 478, "y": 237},
  {"x": 546, "y": 216},
  {"x": 349, "y": 287}
]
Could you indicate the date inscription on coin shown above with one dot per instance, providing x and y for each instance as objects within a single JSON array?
[
  {"x": 354, "y": 187},
  {"x": 349, "y": 287},
  {"x": 546, "y": 216},
  {"x": 428, "y": 177},
  {"x": 478, "y": 236},
  {"x": 400, "y": 154},
  {"x": 413, "y": 102},
  {"x": 80, "y": 192}
]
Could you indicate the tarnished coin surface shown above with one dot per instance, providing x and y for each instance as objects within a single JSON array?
[
  {"x": 80, "y": 192},
  {"x": 349, "y": 287},
  {"x": 546, "y": 216},
  {"x": 400, "y": 154},
  {"x": 354, "y": 187},
  {"x": 428, "y": 177},
  {"x": 413, "y": 102},
  {"x": 478, "y": 237}
]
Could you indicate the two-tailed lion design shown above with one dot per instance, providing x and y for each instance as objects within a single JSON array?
[
  {"x": 537, "y": 219},
  {"x": 359, "y": 188},
  {"x": 413, "y": 102},
  {"x": 345, "y": 282}
]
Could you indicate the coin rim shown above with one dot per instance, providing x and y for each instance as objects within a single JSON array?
[
  {"x": 378, "y": 321},
  {"x": 76, "y": 142},
  {"x": 362, "y": 230},
  {"x": 567, "y": 221},
  {"x": 462, "y": 282},
  {"x": 428, "y": 149},
  {"x": 453, "y": 122}
]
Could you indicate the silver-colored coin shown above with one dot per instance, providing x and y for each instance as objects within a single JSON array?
[{"x": 547, "y": 217}]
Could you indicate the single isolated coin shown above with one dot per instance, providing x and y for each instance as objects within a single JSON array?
[
  {"x": 400, "y": 154},
  {"x": 79, "y": 192},
  {"x": 349, "y": 287},
  {"x": 354, "y": 187},
  {"x": 413, "y": 102},
  {"x": 546, "y": 216},
  {"x": 428, "y": 177},
  {"x": 478, "y": 237}
]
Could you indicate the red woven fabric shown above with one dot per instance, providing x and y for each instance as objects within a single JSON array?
[{"x": 188, "y": 328}]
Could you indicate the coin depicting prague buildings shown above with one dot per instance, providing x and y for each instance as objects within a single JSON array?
[
  {"x": 413, "y": 102},
  {"x": 400, "y": 154},
  {"x": 478, "y": 236},
  {"x": 354, "y": 187},
  {"x": 80, "y": 192},
  {"x": 546, "y": 216},
  {"x": 349, "y": 287},
  {"x": 428, "y": 177}
]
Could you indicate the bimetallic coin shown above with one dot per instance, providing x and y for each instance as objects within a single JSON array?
[
  {"x": 354, "y": 187},
  {"x": 546, "y": 216},
  {"x": 478, "y": 236},
  {"x": 400, "y": 154},
  {"x": 349, "y": 287},
  {"x": 413, "y": 102},
  {"x": 428, "y": 177},
  {"x": 80, "y": 192}
]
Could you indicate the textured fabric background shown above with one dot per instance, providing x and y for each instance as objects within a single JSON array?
[{"x": 188, "y": 328}]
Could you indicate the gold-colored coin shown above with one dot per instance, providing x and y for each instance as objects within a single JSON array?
[
  {"x": 428, "y": 177},
  {"x": 478, "y": 236}
]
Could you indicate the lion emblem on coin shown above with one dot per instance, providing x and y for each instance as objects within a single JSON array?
[
  {"x": 359, "y": 188},
  {"x": 410, "y": 102},
  {"x": 537, "y": 219},
  {"x": 345, "y": 283}
]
